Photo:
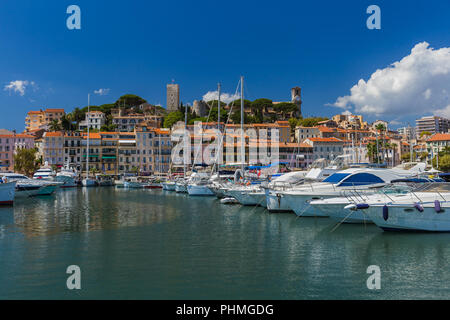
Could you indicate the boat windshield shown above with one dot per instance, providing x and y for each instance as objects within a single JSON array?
[
  {"x": 336, "y": 177},
  {"x": 436, "y": 187}
]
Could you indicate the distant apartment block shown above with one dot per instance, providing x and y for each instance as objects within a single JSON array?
[
  {"x": 173, "y": 97},
  {"x": 96, "y": 120},
  {"x": 407, "y": 132},
  {"x": 9, "y": 144},
  {"x": 128, "y": 122},
  {"x": 432, "y": 124},
  {"x": 41, "y": 119}
]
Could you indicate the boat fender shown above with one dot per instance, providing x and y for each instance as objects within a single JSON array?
[
  {"x": 360, "y": 206},
  {"x": 385, "y": 212},
  {"x": 350, "y": 207},
  {"x": 279, "y": 199},
  {"x": 418, "y": 207},
  {"x": 437, "y": 206}
]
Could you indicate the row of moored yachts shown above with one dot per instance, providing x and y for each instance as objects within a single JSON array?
[{"x": 395, "y": 199}]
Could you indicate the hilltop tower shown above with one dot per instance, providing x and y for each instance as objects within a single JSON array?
[
  {"x": 173, "y": 97},
  {"x": 296, "y": 97}
]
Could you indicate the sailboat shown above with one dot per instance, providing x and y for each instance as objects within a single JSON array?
[
  {"x": 87, "y": 182},
  {"x": 199, "y": 183}
]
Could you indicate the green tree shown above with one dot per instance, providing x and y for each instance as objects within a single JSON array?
[
  {"x": 285, "y": 109},
  {"x": 425, "y": 133},
  {"x": 66, "y": 124},
  {"x": 55, "y": 125},
  {"x": 129, "y": 101},
  {"x": 25, "y": 161},
  {"x": 294, "y": 122},
  {"x": 259, "y": 107},
  {"x": 173, "y": 118},
  {"x": 311, "y": 122}
]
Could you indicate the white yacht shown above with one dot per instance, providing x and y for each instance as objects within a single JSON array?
[
  {"x": 423, "y": 211},
  {"x": 198, "y": 185},
  {"x": 368, "y": 180},
  {"x": 45, "y": 173},
  {"x": 169, "y": 185},
  {"x": 26, "y": 187},
  {"x": 68, "y": 176}
]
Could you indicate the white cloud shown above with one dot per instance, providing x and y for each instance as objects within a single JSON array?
[
  {"x": 347, "y": 113},
  {"x": 419, "y": 83},
  {"x": 19, "y": 86},
  {"x": 102, "y": 92},
  {"x": 225, "y": 97}
]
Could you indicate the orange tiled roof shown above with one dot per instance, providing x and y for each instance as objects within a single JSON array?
[
  {"x": 34, "y": 112},
  {"x": 54, "y": 110},
  {"x": 54, "y": 134},
  {"x": 331, "y": 139},
  {"x": 20, "y": 135},
  {"x": 439, "y": 137},
  {"x": 325, "y": 129}
]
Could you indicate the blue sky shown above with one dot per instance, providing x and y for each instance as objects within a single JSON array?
[{"x": 139, "y": 46}]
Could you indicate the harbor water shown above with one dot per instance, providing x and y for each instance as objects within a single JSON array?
[{"x": 154, "y": 244}]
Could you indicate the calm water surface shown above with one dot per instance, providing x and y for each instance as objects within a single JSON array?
[{"x": 147, "y": 244}]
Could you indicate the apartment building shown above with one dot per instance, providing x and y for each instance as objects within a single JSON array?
[
  {"x": 128, "y": 122},
  {"x": 437, "y": 142},
  {"x": 94, "y": 151},
  {"x": 432, "y": 124},
  {"x": 109, "y": 152},
  {"x": 327, "y": 148},
  {"x": 72, "y": 149},
  {"x": 9, "y": 144},
  {"x": 96, "y": 120},
  {"x": 53, "y": 148},
  {"x": 42, "y": 118}
]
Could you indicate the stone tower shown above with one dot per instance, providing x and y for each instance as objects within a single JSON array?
[
  {"x": 296, "y": 97},
  {"x": 173, "y": 97}
]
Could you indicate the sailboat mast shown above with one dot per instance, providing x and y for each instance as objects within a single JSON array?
[
  {"x": 218, "y": 127},
  {"x": 87, "y": 151},
  {"x": 185, "y": 128},
  {"x": 242, "y": 125}
]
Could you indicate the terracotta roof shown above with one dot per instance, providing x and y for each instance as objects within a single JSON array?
[
  {"x": 34, "y": 112},
  {"x": 439, "y": 137},
  {"x": 325, "y": 129},
  {"x": 54, "y": 110},
  {"x": 92, "y": 135},
  {"x": 331, "y": 139},
  {"x": 53, "y": 134},
  {"x": 20, "y": 135}
]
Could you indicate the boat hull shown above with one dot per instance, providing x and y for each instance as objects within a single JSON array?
[
  {"x": 275, "y": 203},
  {"x": 300, "y": 204},
  {"x": 408, "y": 219},
  {"x": 7, "y": 193},
  {"x": 248, "y": 198},
  {"x": 89, "y": 183},
  {"x": 196, "y": 190}
]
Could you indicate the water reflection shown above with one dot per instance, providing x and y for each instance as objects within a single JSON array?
[{"x": 163, "y": 245}]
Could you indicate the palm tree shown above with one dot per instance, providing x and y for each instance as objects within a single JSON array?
[
  {"x": 54, "y": 125},
  {"x": 381, "y": 128}
]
